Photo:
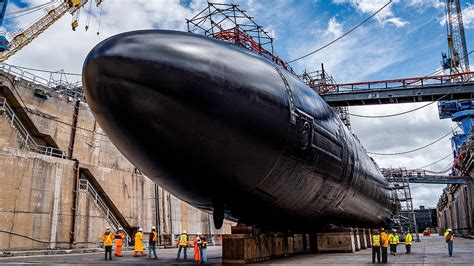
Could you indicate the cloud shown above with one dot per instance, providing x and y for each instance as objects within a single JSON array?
[
  {"x": 60, "y": 47},
  {"x": 334, "y": 29},
  {"x": 439, "y": 4},
  {"x": 467, "y": 17},
  {"x": 385, "y": 16}
]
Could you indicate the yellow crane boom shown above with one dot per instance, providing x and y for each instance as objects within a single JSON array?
[{"x": 27, "y": 35}]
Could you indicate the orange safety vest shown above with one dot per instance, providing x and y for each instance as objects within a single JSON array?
[
  {"x": 155, "y": 236},
  {"x": 119, "y": 239},
  {"x": 108, "y": 238},
  {"x": 197, "y": 253},
  {"x": 384, "y": 238}
]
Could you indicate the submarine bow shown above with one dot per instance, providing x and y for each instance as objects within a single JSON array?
[{"x": 230, "y": 132}]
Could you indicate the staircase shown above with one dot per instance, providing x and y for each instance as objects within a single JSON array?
[
  {"x": 25, "y": 137},
  {"x": 89, "y": 184}
]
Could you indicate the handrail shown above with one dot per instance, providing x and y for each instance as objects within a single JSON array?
[
  {"x": 26, "y": 136},
  {"x": 69, "y": 89},
  {"x": 84, "y": 184},
  {"x": 405, "y": 83}
]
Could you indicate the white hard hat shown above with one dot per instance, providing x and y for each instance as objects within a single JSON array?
[
  {"x": 140, "y": 229},
  {"x": 198, "y": 233},
  {"x": 120, "y": 228},
  {"x": 153, "y": 227},
  {"x": 449, "y": 230},
  {"x": 184, "y": 231},
  {"x": 107, "y": 228},
  {"x": 394, "y": 230}
]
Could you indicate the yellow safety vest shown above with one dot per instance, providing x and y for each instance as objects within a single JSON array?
[
  {"x": 408, "y": 239},
  {"x": 451, "y": 238},
  {"x": 393, "y": 239},
  {"x": 183, "y": 240},
  {"x": 376, "y": 240}
]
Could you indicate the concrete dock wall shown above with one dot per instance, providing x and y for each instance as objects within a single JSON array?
[{"x": 37, "y": 202}]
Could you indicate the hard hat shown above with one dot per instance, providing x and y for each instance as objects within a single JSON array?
[
  {"x": 140, "y": 229},
  {"x": 198, "y": 233},
  {"x": 449, "y": 230},
  {"x": 381, "y": 229},
  {"x": 394, "y": 230},
  {"x": 107, "y": 228},
  {"x": 153, "y": 228},
  {"x": 120, "y": 228},
  {"x": 184, "y": 231}
]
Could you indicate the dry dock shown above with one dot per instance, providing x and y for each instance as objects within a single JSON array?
[{"x": 431, "y": 250}]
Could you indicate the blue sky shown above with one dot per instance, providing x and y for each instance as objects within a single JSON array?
[{"x": 405, "y": 40}]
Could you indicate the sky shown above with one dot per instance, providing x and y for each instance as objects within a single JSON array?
[{"x": 404, "y": 40}]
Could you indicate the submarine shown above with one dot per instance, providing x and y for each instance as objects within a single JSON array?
[{"x": 231, "y": 133}]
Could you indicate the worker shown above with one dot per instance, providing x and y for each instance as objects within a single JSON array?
[
  {"x": 203, "y": 249},
  {"x": 408, "y": 241},
  {"x": 376, "y": 246},
  {"x": 139, "y": 243},
  {"x": 197, "y": 248},
  {"x": 152, "y": 242},
  {"x": 393, "y": 239},
  {"x": 119, "y": 237},
  {"x": 449, "y": 236},
  {"x": 108, "y": 238},
  {"x": 183, "y": 243},
  {"x": 384, "y": 244}
]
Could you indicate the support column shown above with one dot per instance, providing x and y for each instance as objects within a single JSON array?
[
  {"x": 357, "y": 239},
  {"x": 362, "y": 238},
  {"x": 368, "y": 237}
]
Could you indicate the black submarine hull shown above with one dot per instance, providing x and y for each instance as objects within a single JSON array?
[{"x": 227, "y": 131}]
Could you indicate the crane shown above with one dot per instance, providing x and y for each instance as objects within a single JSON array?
[
  {"x": 459, "y": 111},
  {"x": 26, "y": 36},
  {"x": 458, "y": 60}
]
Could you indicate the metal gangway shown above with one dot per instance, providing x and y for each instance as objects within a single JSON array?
[
  {"x": 25, "y": 137},
  {"x": 420, "y": 176},
  {"x": 405, "y": 90}
]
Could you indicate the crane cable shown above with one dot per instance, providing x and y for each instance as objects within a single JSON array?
[
  {"x": 417, "y": 149},
  {"x": 342, "y": 36},
  {"x": 397, "y": 114},
  {"x": 435, "y": 162},
  {"x": 100, "y": 19},
  {"x": 89, "y": 13}
]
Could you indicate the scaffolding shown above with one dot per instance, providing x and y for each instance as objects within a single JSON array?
[
  {"x": 321, "y": 82},
  {"x": 399, "y": 183},
  {"x": 229, "y": 23}
]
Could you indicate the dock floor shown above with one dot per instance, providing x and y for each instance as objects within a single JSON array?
[{"x": 430, "y": 250}]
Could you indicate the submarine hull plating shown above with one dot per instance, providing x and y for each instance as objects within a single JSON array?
[{"x": 229, "y": 132}]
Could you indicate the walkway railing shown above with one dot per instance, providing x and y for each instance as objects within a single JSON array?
[
  {"x": 25, "y": 136},
  {"x": 73, "y": 90},
  {"x": 406, "y": 83},
  {"x": 85, "y": 185}
]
